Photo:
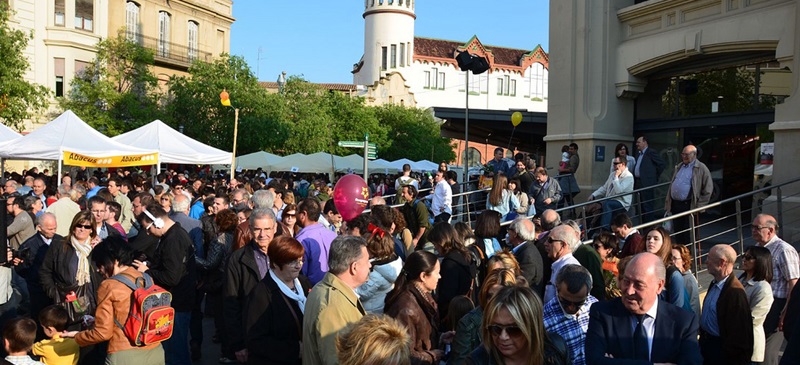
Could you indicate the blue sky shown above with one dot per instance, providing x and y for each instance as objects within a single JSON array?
[{"x": 323, "y": 43}]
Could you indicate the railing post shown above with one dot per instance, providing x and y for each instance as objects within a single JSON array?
[
  {"x": 739, "y": 226},
  {"x": 696, "y": 247},
  {"x": 639, "y": 206},
  {"x": 780, "y": 212}
]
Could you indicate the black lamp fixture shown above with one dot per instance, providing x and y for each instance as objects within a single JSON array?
[{"x": 469, "y": 62}]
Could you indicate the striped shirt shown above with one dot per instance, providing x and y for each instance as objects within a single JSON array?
[
  {"x": 571, "y": 327},
  {"x": 785, "y": 266}
]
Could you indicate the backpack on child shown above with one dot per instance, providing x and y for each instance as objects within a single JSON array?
[{"x": 151, "y": 318}]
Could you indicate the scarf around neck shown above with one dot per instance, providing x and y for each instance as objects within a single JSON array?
[
  {"x": 83, "y": 249},
  {"x": 298, "y": 297}
]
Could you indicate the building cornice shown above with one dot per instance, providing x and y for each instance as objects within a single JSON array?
[{"x": 390, "y": 11}]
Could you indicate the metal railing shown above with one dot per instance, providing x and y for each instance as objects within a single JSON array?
[{"x": 169, "y": 52}]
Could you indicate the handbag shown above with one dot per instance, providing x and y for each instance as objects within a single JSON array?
[{"x": 78, "y": 301}]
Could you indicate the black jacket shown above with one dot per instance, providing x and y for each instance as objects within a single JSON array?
[
  {"x": 241, "y": 276},
  {"x": 172, "y": 267},
  {"x": 57, "y": 274},
  {"x": 274, "y": 329},
  {"x": 530, "y": 262},
  {"x": 35, "y": 251},
  {"x": 457, "y": 277}
]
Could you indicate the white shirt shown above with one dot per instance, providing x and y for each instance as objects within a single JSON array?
[
  {"x": 442, "y": 198},
  {"x": 550, "y": 289}
]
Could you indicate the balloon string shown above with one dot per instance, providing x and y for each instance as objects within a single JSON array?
[{"x": 512, "y": 137}]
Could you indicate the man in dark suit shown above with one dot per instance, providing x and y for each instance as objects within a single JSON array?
[
  {"x": 649, "y": 166},
  {"x": 31, "y": 256},
  {"x": 638, "y": 328},
  {"x": 521, "y": 236},
  {"x": 725, "y": 325}
]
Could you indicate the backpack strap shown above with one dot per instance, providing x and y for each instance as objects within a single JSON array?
[{"x": 145, "y": 281}]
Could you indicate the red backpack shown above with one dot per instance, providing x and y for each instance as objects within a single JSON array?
[{"x": 151, "y": 317}]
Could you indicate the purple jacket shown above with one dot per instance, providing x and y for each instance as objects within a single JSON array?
[{"x": 316, "y": 240}]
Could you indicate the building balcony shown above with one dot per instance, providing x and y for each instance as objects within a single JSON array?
[{"x": 171, "y": 54}]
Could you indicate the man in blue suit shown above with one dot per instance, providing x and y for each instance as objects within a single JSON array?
[
  {"x": 638, "y": 328},
  {"x": 649, "y": 166}
]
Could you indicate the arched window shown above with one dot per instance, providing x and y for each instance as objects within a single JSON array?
[
  {"x": 132, "y": 20},
  {"x": 194, "y": 30},
  {"x": 163, "y": 33}
]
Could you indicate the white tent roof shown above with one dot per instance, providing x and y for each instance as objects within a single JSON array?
[
  {"x": 258, "y": 159},
  {"x": 319, "y": 162},
  {"x": 173, "y": 146},
  {"x": 66, "y": 133},
  {"x": 7, "y": 134}
]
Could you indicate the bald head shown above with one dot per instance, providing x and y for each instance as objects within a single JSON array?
[
  {"x": 550, "y": 219},
  {"x": 46, "y": 225},
  {"x": 689, "y": 154},
  {"x": 720, "y": 261},
  {"x": 377, "y": 200},
  {"x": 180, "y": 203},
  {"x": 642, "y": 282}
]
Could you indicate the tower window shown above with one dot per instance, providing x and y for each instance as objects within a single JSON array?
[
  {"x": 440, "y": 81},
  {"x": 402, "y": 53},
  {"x": 427, "y": 80},
  {"x": 394, "y": 56},
  {"x": 384, "y": 56}
]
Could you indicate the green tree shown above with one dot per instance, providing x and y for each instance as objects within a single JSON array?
[
  {"x": 414, "y": 134},
  {"x": 19, "y": 99},
  {"x": 194, "y": 103},
  {"x": 320, "y": 119},
  {"x": 117, "y": 92}
]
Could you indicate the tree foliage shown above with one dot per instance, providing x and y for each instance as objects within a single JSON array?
[
  {"x": 414, "y": 134},
  {"x": 118, "y": 91},
  {"x": 19, "y": 99},
  {"x": 194, "y": 103},
  {"x": 304, "y": 118},
  {"x": 732, "y": 88}
]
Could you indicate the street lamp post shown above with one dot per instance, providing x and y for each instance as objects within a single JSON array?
[
  {"x": 478, "y": 65},
  {"x": 224, "y": 98}
]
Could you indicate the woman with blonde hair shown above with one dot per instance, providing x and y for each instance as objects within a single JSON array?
[
  {"x": 513, "y": 332},
  {"x": 503, "y": 260},
  {"x": 468, "y": 329},
  {"x": 376, "y": 340},
  {"x": 501, "y": 199}
]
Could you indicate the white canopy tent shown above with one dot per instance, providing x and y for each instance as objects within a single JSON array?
[
  {"x": 70, "y": 140},
  {"x": 8, "y": 134},
  {"x": 258, "y": 159},
  {"x": 173, "y": 146}
]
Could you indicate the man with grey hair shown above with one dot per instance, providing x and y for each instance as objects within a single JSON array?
[
  {"x": 239, "y": 199},
  {"x": 180, "y": 214},
  {"x": 35, "y": 249},
  {"x": 64, "y": 209},
  {"x": 726, "y": 335},
  {"x": 691, "y": 188},
  {"x": 521, "y": 236},
  {"x": 333, "y": 303},
  {"x": 590, "y": 259},
  {"x": 638, "y": 327},
  {"x": 261, "y": 199},
  {"x": 568, "y": 313},
  {"x": 559, "y": 247},
  {"x": 246, "y": 267},
  {"x": 549, "y": 219}
]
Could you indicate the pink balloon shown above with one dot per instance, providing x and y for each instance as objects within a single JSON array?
[{"x": 350, "y": 196}]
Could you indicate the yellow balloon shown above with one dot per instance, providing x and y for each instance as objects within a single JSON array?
[{"x": 516, "y": 118}]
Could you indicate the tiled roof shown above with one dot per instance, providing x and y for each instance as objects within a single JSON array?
[
  {"x": 440, "y": 48},
  {"x": 336, "y": 87}
]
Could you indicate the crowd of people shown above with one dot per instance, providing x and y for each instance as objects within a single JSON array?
[{"x": 287, "y": 281}]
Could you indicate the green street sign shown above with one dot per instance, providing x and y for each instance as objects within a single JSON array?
[
  {"x": 356, "y": 144},
  {"x": 372, "y": 155},
  {"x": 372, "y": 145},
  {"x": 372, "y": 149}
]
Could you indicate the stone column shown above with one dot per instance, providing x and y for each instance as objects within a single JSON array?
[
  {"x": 787, "y": 133},
  {"x": 585, "y": 105}
]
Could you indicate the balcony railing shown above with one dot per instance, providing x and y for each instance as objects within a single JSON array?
[{"x": 170, "y": 53}]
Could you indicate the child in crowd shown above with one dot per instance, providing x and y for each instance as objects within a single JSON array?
[
  {"x": 56, "y": 350},
  {"x": 18, "y": 336},
  {"x": 564, "y": 157}
]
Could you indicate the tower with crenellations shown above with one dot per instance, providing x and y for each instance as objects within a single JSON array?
[{"x": 388, "y": 40}]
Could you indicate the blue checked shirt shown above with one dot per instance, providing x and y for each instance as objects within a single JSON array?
[{"x": 571, "y": 327}]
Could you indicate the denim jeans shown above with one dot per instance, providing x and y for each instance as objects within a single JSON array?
[
  {"x": 610, "y": 207},
  {"x": 176, "y": 349}
]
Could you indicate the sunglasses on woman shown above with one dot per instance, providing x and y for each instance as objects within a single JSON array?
[{"x": 511, "y": 330}]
